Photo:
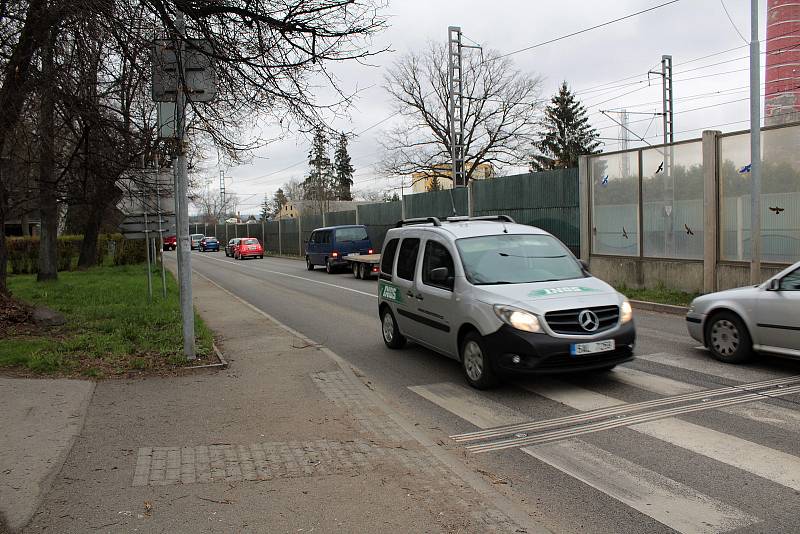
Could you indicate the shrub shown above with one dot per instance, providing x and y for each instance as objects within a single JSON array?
[{"x": 23, "y": 252}]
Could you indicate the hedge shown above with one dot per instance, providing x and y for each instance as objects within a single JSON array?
[{"x": 23, "y": 252}]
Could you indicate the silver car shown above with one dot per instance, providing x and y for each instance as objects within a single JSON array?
[
  {"x": 499, "y": 297},
  {"x": 734, "y": 324}
]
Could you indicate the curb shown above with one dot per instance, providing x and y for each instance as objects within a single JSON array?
[{"x": 661, "y": 308}]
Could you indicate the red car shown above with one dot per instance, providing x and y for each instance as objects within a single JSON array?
[
  {"x": 248, "y": 247},
  {"x": 171, "y": 242}
]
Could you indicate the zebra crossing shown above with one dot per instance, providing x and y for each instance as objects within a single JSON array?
[{"x": 560, "y": 442}]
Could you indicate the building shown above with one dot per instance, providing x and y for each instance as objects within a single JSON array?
[
  {"x": 296, "y": 208},
  {"x": 421, "y": 181},
  {"x": 782, "y": 73}
]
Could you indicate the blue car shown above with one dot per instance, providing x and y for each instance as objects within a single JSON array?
[
  {"x": 209, "y": 243},
  {"x": 330, "y": 246}
]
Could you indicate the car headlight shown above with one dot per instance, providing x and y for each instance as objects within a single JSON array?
[
  {"x": 627, "y": 312},
  {"x": 519, "y": 319}
]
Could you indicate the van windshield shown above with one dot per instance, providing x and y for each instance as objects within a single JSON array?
[
  {"x": 516, "y": 259},
  {"x": 351, "y": 234}
]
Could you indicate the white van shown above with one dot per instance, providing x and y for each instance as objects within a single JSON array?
[{"x": 500, "y": 297}]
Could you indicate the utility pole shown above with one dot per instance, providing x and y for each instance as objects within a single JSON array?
[
  {"x": 222, "y": 187},
  {"x": 669, "y": 138},
  {"x": 755, "y": 146},
  {"x": 456, "y": 82},
  {"x": 624, "y": 141},
  {"x": 181, "y": 198}
]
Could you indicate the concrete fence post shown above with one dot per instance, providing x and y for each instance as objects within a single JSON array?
[
  {"x": 299, "y": 235},
  {"x": 280, "y": 239},
  {"x": 584, "y": 196},
  {"x": 470, "y": 199},
  {"x": 710, "y": 210},
  {"x": 357, "y": 218}
]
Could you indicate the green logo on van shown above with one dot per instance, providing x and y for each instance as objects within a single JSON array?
[
  {"x": 559, "y": 291},
  {"x": 390, "y": 292}
]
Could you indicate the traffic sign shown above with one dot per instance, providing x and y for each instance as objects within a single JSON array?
[{"x": 199, "y": 75}]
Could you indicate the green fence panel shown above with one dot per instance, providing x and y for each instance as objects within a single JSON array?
[
  {"x": 378, "y": 218},
  {"x": 440, "y": 204},
  {"x": 548, "y": 200},
  {"x": 272, "y": 243},
  {"x": 289, "y": 236},
  {"x": 337, "y": 218}
]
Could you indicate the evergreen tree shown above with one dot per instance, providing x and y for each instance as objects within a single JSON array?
[
  {"x": 279, "y": 200},
  {"x": 265, "y": 207},
  {"x": 434, "y": 184},
  {"x": 344, "y": 170},
  {"x": 395, "y": 197},
  {"x": 567, "y": 134},
  {"x": 320, "y": 184}
]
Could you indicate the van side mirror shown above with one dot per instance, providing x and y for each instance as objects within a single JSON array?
[
  {"x": 774, "y": 285},
  {"x": 439, "y": 275}
]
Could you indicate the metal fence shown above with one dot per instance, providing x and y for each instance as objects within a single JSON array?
[{"x": 548, "y": 200}]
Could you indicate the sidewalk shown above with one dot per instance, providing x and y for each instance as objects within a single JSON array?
[{"x": 287, "y": 439}]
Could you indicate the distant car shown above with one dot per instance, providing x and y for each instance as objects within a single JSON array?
[
  {"x": 734, "y": 324},
  {"x": 194, "y": 240},
  {"x": 248, "y": 247},
  {"x": 209, "y": 243},
  {"x": 230, "y": 248},
  {"x": 171, "y": 242},
  {"x": 330, "y": 246}
]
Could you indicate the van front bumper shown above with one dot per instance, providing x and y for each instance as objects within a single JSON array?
[{"x": 541, "y": 353}]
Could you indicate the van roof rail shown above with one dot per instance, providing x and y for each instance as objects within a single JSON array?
[
  {"x": 419, "y": 220},
  {"x": 501, "y": 218}
]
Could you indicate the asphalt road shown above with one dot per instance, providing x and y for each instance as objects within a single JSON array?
[{"x": 726, "y": 459}]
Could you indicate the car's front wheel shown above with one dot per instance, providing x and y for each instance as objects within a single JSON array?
[
  {"x": 391, "y": 334},
  {"x": 728, "y": 339},
  {"x": 476, "y": 362}
]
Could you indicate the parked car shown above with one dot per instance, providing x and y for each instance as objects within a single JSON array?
[
  {"x": 209, "y": 243},
  {"x": 194, "y": 240},
  {"x": 248, "y": 247},
  {"x": 170, "y": 242},
  {"x": 737, "y": 323},
  {"x": 499, "y": 297},
  {"x": 230, "y": 248},
  {"x": 330, "y": 246}
]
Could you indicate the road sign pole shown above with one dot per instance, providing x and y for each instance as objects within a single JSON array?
[
  {"x": 149, "y": 271},
  {"x": 160, "y": 229},
  {"x": 181, "y": 201}
]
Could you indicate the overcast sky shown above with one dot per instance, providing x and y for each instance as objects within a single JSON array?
[{"x": 687, "y": 30}]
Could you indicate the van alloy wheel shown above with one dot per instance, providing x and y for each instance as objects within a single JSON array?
[{"x": 473, "y": 360}]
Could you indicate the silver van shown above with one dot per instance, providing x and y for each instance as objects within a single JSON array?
[{"x": 500, "y": 297}]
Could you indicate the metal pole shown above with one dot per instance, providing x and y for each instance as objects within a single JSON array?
[
  {"x": 299, "y": 235},
  {"x": 755, "y": 146},
  {"x": 147, "y": 248},
  {"x": 182, "y": 207},
  {"x": 280, "y": 237},
  {"x": 160, "y": 230}
]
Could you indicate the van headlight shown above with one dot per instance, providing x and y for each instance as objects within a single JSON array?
[
  {"x": 627, "y": 312},
  {"x": 519, "y": 319}
]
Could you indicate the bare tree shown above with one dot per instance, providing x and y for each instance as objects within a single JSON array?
[
  {"x": 213, "y": 208},
  {"x": 293, "y": 189},
  {"x": 501, "y": 107}
]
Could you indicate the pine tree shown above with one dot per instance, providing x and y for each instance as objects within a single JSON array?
[
  {"x": 320, "y": 184},
  {"x": 344, "y": 170},
  {"x": 265, "y": 208},
  {"x": 567, "y": 134},
  {"x": 434, "y": 184},
  {"x": 278, "y": 200}
]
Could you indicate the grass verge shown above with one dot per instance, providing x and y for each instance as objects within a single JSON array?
[
  {"x": 659, "y": 294},
  {"x": 111, "y": 329}
]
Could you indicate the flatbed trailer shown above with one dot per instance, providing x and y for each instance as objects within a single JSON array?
[{"x": 364, "y": 266}]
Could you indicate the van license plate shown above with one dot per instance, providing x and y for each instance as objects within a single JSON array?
[
  {"x": 354, "y": 254},
  {"x": 576, "y": 349}
]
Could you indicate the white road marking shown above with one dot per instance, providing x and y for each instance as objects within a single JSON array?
[
  {"x": 650, "y": 382},
  {"x": 303, "y": 278},
  {"x": 706, "y": 365},
  {"x": 776, "y": 466},
  {"x": 667, "y": 501}
]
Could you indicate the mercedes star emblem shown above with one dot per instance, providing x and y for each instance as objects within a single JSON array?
[{"x": 588, "y": 320}]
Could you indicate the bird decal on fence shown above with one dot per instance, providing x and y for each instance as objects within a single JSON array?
[
  {"x": 777, "y": 209},
  {"x": 688, "y": 230},
  {"x": 604, "y": 181},
  {"x": 624, "y": 233},
  {"x": 746, "y": 168},
  {"x": 660, "y": 168}
]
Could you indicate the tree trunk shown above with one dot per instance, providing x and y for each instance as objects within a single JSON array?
[
  {"x": 91, "y": 230},
  {"x": 48, "y": 199},
  {"x": 3, "y": 251}
]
